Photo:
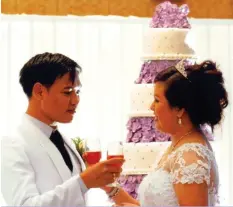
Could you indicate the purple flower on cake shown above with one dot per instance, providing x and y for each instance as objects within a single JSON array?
[
  {"x": 148, "y": 73},
  {"x": 150, "y": 69},
  {"x": 132, "y": 179},
  {"x": 133, "y": 124},
  {"x": 147, "y": 78},
  {"x": 122, "y": 180},
  {"x": 129, "y": 123},
  {"x": 142, "y": 129},
  {"x": 136, "y": 137},
  {"x": 140, "y": 178},
  {"x": 168, "y": 15},
  {"x": 129, "y": 136},
  {"x": 136, "y": 126},
  {"x": 148, "y": 136},
  {"x": 145, "y": 67},
  {"x": 146, "y": 124},
  {"x": 129, "y": 187},
  {"x": 134, "y": 195},
  {"x": 163, "y": 137}
]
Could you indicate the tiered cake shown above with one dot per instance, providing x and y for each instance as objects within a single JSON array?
[{"x": 164, "y": 44}]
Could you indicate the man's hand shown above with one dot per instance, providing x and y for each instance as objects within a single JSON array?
[{"x": 102, "y": 173}]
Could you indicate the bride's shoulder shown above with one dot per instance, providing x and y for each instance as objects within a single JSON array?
[
  {"x": 196, "y": 147},
  {"x": 192, "y": 163},
  {"x": 190, "y": 153}
]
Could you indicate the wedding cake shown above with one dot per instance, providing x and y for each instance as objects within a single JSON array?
[
  {"x": 167, "y": 44},
  {"x": 164, "y": 45}
]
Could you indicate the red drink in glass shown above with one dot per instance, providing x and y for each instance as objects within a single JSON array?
[{"x": 92, "y": 157}]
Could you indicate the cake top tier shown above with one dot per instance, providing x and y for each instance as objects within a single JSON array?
[
  {"x": 168, "y": 15},
  {"x": 167, "y": 44}
]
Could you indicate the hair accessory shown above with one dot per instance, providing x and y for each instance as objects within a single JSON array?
[{"x": 180, "y": 67}]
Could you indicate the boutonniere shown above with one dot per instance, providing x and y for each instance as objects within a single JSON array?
[{"x": 79, "y": 144}]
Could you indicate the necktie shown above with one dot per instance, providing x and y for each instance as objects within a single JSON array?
[{"x": 57, "y": 140}]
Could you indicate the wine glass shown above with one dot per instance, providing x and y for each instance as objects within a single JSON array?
[
  {"x": 92, "y": 151},
  {"x": 115, "y": 150}
]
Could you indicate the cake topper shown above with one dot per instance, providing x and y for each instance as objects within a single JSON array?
[{"x": 168, "y": 15}]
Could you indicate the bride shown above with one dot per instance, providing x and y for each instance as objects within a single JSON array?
[{"x": 187, "y": 175}]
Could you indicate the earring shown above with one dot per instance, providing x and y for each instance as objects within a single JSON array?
[{"x": 180, "y": 121}]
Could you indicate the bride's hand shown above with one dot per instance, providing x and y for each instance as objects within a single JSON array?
[{"x": 125, "y": 204}]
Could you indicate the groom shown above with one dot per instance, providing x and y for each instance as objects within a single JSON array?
[{"x": 39, "y": 166}]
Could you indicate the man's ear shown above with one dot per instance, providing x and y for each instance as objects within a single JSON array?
[{"x": 37, "y": 91}]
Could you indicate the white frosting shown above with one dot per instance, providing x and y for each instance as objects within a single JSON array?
[
  {"x": 141, "y": 98},
  {"x": 166, "y": 44},
  {"x": 140, "y": 158}
]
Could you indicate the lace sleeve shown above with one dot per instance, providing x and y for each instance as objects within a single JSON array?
[{"x": 191, "y": 164}]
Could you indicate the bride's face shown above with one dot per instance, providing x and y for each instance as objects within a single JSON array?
[{"x": 165, "y": 115}]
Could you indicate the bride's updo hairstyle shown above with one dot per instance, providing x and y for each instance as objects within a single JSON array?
[{"x": 200, "y": 92}]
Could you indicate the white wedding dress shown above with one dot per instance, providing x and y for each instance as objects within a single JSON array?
[{"x": 190, "y": 163}]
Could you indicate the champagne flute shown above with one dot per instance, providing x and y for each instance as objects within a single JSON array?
[
  {"x": 115, "y": 150},
  {"x": 92, "y": 151}
]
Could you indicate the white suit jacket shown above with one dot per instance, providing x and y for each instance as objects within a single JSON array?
[{"x": 33, "y": 172}]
